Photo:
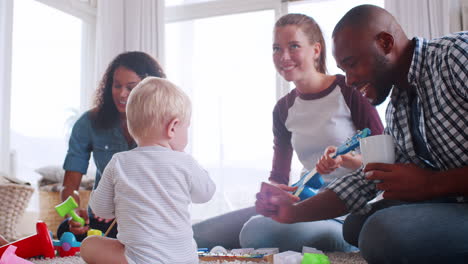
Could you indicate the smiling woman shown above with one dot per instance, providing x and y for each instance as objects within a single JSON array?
[
  {"x": 321, "y": 111},
  {"x": 327, "y": 21},
  {"x": 102, "y": 131}
]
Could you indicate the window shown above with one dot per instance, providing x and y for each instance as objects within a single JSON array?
[
  {"x": 224, "y": 64},
  {"x": 45, "y": 94}
]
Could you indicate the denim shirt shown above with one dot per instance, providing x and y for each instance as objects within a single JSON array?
[{"x": 103, "y": 143}]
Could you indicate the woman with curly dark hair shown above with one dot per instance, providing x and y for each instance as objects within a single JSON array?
[{"x": 103, "y": 132}]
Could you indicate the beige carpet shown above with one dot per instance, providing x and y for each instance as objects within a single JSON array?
[
  {"x": 345, "y": 258},
  {"x": 335, "y": 258}
]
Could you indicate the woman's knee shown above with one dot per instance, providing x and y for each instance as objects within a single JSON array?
[
  {"x": 255, "y": 232},
  {"x": 264, "y": 232}
]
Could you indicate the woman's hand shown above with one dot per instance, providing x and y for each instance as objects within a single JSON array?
[
  {"x": 327, "y": 164},
  {"x": 288, "y": 189},
  {"x": 276, "y": 202},
  {"x": 75, "y": 227}
]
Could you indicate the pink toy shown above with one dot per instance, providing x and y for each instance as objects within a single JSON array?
[
  {"x": 39, "y": 244},
  {"x": 9, "y": 257}
]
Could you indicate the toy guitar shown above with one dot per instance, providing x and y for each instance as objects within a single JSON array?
[{"x": 311, "y": 181}]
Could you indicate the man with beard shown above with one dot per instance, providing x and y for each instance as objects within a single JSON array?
[{"x": 423, "y": 216}]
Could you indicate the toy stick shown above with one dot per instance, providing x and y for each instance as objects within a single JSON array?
[{"x": 110, "y": 227}]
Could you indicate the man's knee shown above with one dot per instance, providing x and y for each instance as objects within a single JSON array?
[
  {"x": 352, "y": 228},
  {"x": 378, "y": 240},
  {"x": 354, "y": 223}
]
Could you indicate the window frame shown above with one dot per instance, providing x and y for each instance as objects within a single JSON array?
[
  {"x": 85, "y": 10},
  {"x": 5, "y": 77},
  {"x": 207, "y": 9}
]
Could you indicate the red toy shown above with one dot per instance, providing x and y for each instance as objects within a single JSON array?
[{"x": 39, "y": 244}]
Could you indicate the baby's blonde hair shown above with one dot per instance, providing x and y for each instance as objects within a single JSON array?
[{"x": 152, "y": 104}]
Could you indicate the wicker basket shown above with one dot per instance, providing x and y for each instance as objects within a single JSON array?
[
  {"x": 14, "y": 199},
  {"x": 48, "y": 201}
]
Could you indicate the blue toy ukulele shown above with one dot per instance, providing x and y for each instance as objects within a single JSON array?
[{"x": 311, "y": 181}]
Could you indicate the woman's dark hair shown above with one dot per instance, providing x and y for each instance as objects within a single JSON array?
[
  {"x": 313, "y": 32},
  {"x": 105, "y": 112}
]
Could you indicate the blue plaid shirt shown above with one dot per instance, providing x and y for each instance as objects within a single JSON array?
[{"x": 439, "y": 72}]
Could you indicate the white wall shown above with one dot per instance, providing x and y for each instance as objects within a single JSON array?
[{"x": 6, "y": 25}]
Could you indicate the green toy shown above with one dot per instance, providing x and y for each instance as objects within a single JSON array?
[
  {"x": 312, "y": 258},
  {"x": 68, "y": 207}
]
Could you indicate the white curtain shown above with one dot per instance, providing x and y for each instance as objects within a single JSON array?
[
  {"x": 6, "y": 28},
  {"x": 430, "y": 18},
  {"x": 464, "y": 11},
  {"x": 128, "y": 25}
]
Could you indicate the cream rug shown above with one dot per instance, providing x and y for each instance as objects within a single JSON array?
[{"x": 335, "y": 258}]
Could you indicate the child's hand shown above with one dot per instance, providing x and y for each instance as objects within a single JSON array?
[{"x": 75, "y": 227}]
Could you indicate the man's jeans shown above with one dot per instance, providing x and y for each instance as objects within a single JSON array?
[{"x": 397, "y": 232}]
